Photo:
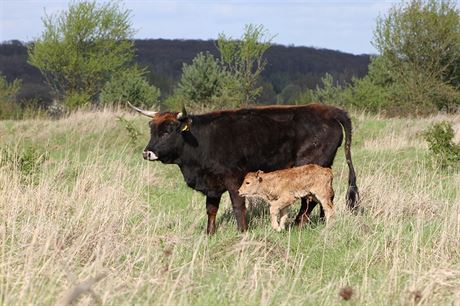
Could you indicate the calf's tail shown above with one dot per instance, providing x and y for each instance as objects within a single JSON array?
[{"x": 352, "y": 196}]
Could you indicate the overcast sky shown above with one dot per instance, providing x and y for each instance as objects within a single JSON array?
[{"x": 340, "y": 25}]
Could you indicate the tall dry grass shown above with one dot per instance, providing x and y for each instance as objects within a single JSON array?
[{"x": 96, "y": 224}]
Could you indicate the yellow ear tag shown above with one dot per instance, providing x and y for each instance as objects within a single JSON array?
[{"x": 185, "y": 128}]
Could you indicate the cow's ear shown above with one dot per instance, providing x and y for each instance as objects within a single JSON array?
[
  {"x": 185, "y": 126},
  {"x": 259, "y": 179}
]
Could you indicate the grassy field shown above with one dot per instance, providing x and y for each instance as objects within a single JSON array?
[{"x": 84, "y": 219}]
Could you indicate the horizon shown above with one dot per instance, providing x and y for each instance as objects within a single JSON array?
[{"x": 25, "y": 43}]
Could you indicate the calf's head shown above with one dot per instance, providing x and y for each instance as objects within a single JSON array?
[
  {"x": 166, "y": 135},
  {"x": 252, "y": 184}
]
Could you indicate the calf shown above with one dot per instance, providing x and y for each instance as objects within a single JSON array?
[{"x": 281, "y": 188}]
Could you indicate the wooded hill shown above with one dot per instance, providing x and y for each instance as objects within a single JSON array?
[{"x": 287, "y": 66}]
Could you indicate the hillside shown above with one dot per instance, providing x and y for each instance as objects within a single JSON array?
[
  {"x": 78, "y": 205},
  {"x": 299, "y": 66}
]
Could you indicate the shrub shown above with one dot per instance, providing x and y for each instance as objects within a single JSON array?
[
  {"x": 329, "y": 92},
  {"x": 8, "y": 107},
  {"x": 289, "y": 94},
  {"x": 444, "y": 152},
  {"x": 28, "y": 160},
  {"x": 133, "y": 132},
  {"x": 76, "y": 99},
  {"x": 130, "y": 85},
  {"x": 364, "y": 94}
]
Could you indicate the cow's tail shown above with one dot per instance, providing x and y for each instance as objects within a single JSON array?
[{"x": 352, "y": 197}]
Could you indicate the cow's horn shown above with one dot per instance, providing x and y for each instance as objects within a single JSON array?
[
  {"x": 182, "y": 114},
  {"x": 143, "y": 112}
]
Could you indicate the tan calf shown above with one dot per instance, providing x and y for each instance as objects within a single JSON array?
[{"x": 281, "y": 188}]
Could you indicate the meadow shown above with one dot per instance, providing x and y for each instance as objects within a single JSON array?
[{"x": 85, "y": 220}]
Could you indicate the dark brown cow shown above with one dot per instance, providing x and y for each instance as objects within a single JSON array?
[{"x": 214, "y": 151}]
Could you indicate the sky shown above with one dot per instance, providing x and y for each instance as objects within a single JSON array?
[{"x": 332, "y": 24}]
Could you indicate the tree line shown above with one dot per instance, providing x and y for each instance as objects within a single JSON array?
[{"x": 287, "y": 66}]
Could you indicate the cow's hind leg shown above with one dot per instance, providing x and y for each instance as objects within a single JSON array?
[
  {"x": 212, "y": 206},
  {"x": 239, "y": 208},
  {"x": 306, "y": 207}
]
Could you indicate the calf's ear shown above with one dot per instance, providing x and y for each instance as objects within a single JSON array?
[{"x": 258, "y": 173}]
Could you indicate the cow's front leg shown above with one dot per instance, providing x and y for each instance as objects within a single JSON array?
[
  {"x": 212, "y": 206},
  {"x": 239, "y": 208}
]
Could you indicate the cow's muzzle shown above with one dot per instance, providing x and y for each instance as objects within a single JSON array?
[{"x": 149, "y": 155}]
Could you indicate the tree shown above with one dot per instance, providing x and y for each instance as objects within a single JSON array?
[
  {"x": 419, "y": 42},
  {"x": 243, "y": 59},
  {"x": 81, "y": 48},
  {"x": 202, "y": 79}
]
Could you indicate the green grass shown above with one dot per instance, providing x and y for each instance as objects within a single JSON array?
[{"x": 95, "y": 208}]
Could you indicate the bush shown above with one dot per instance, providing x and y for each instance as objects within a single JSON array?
[
  {"x": 27, "y": 160},
  {"x": 132, "y": 131},
  {"x": 76, "y": 99},
  {"x": 364, "y": 94},
  {"x": 289, "y": 94},
  {"x": 130, "y": 85},
  {"x": 176, "y": 101},
  {"x": 444, "y": 152},
  {"x": 329, "y": 92}
]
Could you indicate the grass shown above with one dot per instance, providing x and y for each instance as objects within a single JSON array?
[{"x": 94, "y": 223}]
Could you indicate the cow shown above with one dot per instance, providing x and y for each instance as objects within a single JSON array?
[
  {"x": 281, "y": 188},
  {"x": 215, "y": 150}
]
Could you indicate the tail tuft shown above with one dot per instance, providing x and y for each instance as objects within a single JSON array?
[{"x": 352, "y": 198}]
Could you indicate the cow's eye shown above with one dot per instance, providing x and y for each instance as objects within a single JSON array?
[
  {"x": 247, "y": 183},
  {"x": 167, "y": 128}
]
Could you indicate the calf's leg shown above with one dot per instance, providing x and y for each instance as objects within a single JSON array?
[
  {"x": 328, "y": 206},
  {"x": 283, "y": 217},
  {"x": 212, "y": 206},
  {"x": 274, "y": 212}
]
